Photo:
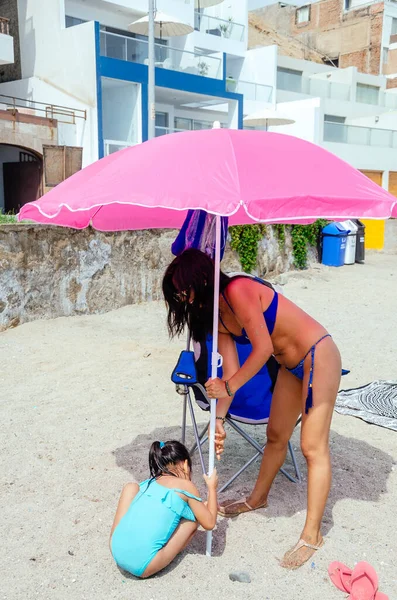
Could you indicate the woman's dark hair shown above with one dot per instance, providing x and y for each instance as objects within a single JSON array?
[
  {"x": 191, "y": 271},
  {"x": 161, "y": 455}
]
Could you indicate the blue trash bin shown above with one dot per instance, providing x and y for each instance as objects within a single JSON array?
[{"x": 334, "y": 238}]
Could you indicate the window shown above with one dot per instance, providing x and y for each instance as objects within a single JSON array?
[
  {"x": 352, "y": 4},
  {"x": 393, "y": 31},
  {"x": 385, "y": 56},
  {"x": 302, "y": 15},
  {"x": 334, "y": 119},
  {"x": 161, "y": 123},
  {"x": 368, "y": 94},
  {"x": 289, "y": 80},
  {"x": 191, "y": 124},
  {"x": 72, "y": 21},
  {"x": 331, "y": 62},
  {"x": 334, "y": 129}
]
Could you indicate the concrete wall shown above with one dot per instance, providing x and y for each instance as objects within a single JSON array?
[
  {"x": 48, "y": 272},
  {"x": 9, "y": 10},
  {"x": 391, "y": 236},
  {"x": 25, "y": 132}
]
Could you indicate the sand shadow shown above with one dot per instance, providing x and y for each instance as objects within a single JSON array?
[{"x": 360, "y": 472}]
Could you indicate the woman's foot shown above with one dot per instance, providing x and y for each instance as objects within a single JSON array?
[
  {"x": 233, "y": 508},
  {"x": 300, "y": 553}
]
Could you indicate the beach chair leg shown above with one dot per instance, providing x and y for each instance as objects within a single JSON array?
[
  {"x": 203, "y": 437},
  {"x": 245, "y": 435},
  {"x": 247, "y": 464},
  {"x": 184, "y": 407},
  {"x": 260, "y": 450},
  {"x": 296, "y": 467},
  {"x": 196, "y": 433}
]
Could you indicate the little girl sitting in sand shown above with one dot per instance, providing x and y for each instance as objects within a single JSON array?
[{"x": 157, "y": 519}]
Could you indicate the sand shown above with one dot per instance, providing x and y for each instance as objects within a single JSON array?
[{"x": 82, "y": 398}]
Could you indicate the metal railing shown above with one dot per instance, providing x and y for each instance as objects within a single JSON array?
[
  {"x": 251, "y": 90},
  {"x": 360, "y": 136},
  {"x": 111, "y": 146},
  {"x": 312, "y": 86},
  {"x": 327, "y": 88},
  {"x": 114, "y": 45},
  {"x": 4, "y": 26},
  {"x": 62, "y": 114},
  {"x": 166, "y": 130},
  {"x": 219, "y": 27}
]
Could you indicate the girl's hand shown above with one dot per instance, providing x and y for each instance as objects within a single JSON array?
[
  {"x": 216, "y": 388},
  {"x": 212, "y": 480}
]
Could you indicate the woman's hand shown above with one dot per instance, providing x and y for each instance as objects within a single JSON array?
[
  {"x": 220, "y": 436},
  {"x": 216, "y": 388}
]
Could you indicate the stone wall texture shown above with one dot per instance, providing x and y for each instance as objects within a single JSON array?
[{"x": 48, "y": 272}]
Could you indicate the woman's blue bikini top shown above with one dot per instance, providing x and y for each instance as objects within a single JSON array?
[{"x": 269, "y": 315}]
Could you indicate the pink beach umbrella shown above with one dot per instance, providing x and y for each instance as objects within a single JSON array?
[{"x": 249, "y": 176}]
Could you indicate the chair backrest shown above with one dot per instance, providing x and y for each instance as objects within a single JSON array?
[{"x": 252, "y": 401}]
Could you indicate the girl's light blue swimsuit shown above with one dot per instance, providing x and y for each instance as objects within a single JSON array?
[{"x": 150, "y": 521}]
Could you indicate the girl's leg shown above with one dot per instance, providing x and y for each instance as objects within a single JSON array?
[
  {"x": 284, "y": 412},
  {"x": 315, "y": 445},
  {"x": 127, "y": 495},
  {"x": 177, "y": 542}
]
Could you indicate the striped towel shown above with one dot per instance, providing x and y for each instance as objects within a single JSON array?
[{"x": 374, "y": 403}]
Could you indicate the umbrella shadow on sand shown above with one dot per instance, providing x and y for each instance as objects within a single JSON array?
[{"x": 360, "y": 472}]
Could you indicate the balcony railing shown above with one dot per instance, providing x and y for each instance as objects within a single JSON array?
[
  {"x": 111, "y": 146},
  {"x": 130, "y": 49},
  {"x": 311, "y": 86},
  {"x": 4, "y": 26},
  {"x": 166, "y": 130},
  {"x": 251, "y": 90},
  {"x": 326, "y": 88},
  {"x": 219, "y": 27},
  {"x": 62, "y": 114},
  {"x": 360, "y": 136}
]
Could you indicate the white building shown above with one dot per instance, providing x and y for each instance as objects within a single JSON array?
[{"x": 80, "y": 54}]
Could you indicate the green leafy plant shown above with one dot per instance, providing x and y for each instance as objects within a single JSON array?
[
  {"x": 7, "y": 218},
  {"x": 245, "y": 239},
  {"x": 203, "y": 68},
  {"x": 302, "y": 237}
]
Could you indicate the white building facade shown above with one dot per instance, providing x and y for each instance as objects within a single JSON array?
[{"x": 81, "y": 54}]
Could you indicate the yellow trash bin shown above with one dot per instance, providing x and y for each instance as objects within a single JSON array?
[{"x": 374, "y": 234}]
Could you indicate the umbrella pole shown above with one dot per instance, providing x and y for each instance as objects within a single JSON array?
[
  {"x": 151, "y": 72},
  {"x": 214, "y": 359}
]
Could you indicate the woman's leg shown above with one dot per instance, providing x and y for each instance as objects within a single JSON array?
[
  {"x": 315, "y": 444},
  {"x": 177, "y": 542},
  {"x": 284, "y": 412}
]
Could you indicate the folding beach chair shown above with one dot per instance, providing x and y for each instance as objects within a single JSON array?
[{"x": 251, "y": 404}]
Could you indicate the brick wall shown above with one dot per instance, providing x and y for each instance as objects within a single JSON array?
[
  {"x": 9, "y": 10},
  {"x": 355, "y": 36}
]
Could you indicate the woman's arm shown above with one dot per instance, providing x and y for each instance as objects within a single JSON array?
[
  {"x": 230, "y": 366},
  {"x": 247, "y": 308}
]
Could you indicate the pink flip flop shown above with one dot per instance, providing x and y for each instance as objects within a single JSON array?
[
  {"x": 364, "y": 582},
  {"x": 380, "y": 596},
  {"x": 340, "y": 576}
]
